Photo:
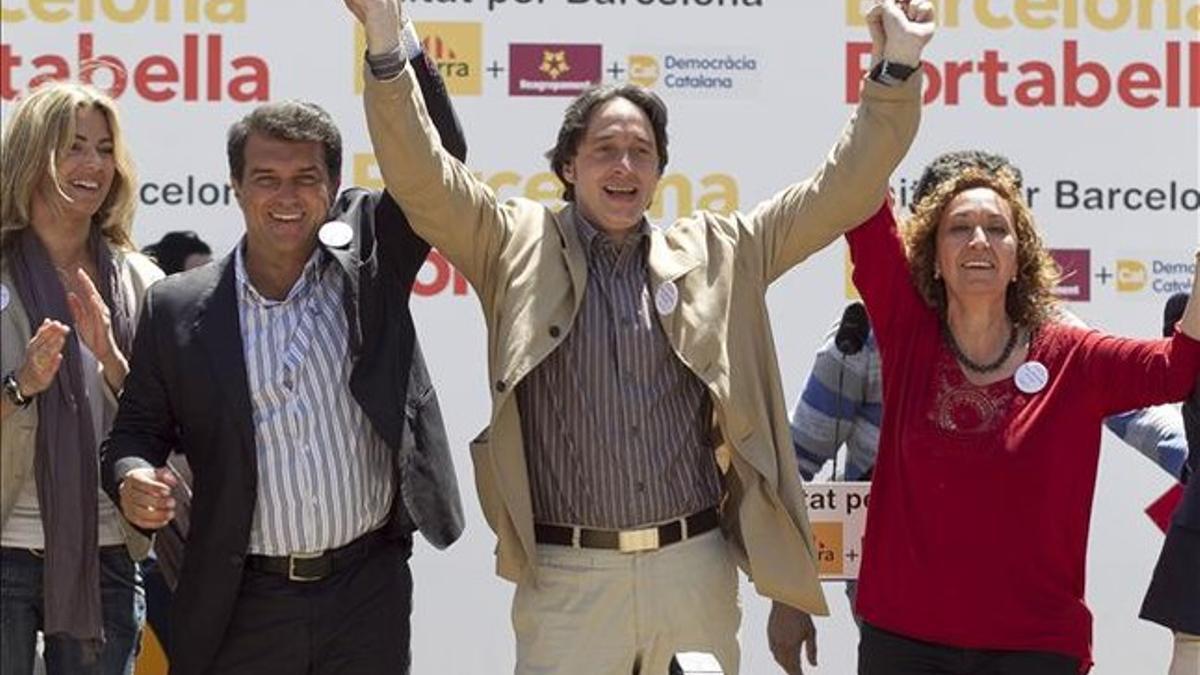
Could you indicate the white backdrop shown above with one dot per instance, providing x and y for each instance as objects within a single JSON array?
[{"x": 758, "y": 92}]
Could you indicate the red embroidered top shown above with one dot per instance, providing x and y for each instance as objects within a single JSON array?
[{"x": 981, "y": 498}]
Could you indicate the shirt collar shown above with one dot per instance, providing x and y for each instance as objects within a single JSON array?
[
  {"x": 593, "y": 238},
  {"x": 309, "y": 276}
]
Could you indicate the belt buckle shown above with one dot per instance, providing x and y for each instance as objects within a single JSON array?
[
  {"x": 292, "y": 575},
  {"x": 632, "y": 541}
]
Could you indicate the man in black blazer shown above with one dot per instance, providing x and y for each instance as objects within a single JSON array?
[
  {"x": 290, "y": 375},
  {"x": 1174, "y": 596}
]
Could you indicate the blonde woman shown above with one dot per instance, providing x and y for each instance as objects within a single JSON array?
[{"x": 71, "y": 286}]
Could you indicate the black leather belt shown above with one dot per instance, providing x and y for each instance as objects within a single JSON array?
[
  {"x": 630, "y": 541},
  {"x": 316, "y": 566}
]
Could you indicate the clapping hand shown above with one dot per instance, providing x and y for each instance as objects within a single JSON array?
[
  {"x": 93, "y": 325},
  {"x": 43, "y": 356}
]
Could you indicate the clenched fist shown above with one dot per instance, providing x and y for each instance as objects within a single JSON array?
[
  {"x": 900, "y": 29},
  {"x": 146, "y": 497}
]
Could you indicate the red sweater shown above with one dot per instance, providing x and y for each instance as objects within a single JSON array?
[{"x": 981, "y": 497}]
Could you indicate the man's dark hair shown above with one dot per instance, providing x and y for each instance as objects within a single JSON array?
[
  {"x": 579, "y": 114},
  {"x": 286, "y": 121},
  {"x": 173, "y": 250},
  {"x": 951, "y": 164}
]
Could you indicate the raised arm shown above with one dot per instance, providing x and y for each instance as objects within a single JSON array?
[
  {"x": 394, "y": 231},
  {"x": 444, "y": 202},
  {"x": 852, "y": 181}
]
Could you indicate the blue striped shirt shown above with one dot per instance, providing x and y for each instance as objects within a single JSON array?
[
  {"x": 324, "y": 474},
  {"x": 830, "y": 413}
]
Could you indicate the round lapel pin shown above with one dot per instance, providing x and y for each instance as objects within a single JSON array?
[
  {"x": 666, "y": 298},
  {"x": 336, "y": 234},
  {"x": 1031, "y": 377}
]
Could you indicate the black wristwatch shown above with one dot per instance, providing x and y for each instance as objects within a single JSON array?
[
  {"x": 12, "y": 389},
  {"x": 891, "y": 73}
]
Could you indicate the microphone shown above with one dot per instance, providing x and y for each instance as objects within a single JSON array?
[{"x": 852, "y": 332}]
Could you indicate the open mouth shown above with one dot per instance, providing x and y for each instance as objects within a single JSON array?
[
  {"x": 978, "y": 265},
  {"x": 286, "y": 217},
  {"x": 620, "y": 192},
  {"x": 87, "y": 185}
]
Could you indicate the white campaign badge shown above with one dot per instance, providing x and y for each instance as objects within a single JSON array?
[
  {"x": 1031, "y": 377},
  {"x": 3, "y": 297},
  {"x": 666, "y": 298},
  {"x": 335, "y": 234}
]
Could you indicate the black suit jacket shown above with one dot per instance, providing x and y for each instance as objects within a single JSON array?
[
  {"x": 1174, "y": 596},
  {"x": 187, "y": 390}
]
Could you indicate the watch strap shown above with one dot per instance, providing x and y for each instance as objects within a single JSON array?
[
  {"x": 891, "y": 73},
  {"x": 12, "y": 389}
]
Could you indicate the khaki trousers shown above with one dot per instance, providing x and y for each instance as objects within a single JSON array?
[
  {"x": 597, "y": 612},
  {"x": 1186, "y": 659}
]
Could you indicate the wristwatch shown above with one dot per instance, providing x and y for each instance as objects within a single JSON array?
[
  {"x": 891, "y": 73},
  {"x": 12, "y": 389}
]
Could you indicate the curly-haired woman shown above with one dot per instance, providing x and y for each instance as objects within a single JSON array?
[{"x": 976, "y": 542}]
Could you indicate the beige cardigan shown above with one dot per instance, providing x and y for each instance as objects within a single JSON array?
[{"x": 19, "y": 432}]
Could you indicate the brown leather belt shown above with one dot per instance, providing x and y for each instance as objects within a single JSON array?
[
  {"x": 316, "y": 566},
  {"x": 630, "y": 541}
]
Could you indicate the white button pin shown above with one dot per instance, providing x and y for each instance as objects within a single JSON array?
[
  {"x": 1031, "y": 377},
  {"x": 666, "y": 298},
  {"x": 335, "y": 234}
]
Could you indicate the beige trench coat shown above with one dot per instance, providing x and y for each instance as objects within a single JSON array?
[{"x": 528, "y": 267}]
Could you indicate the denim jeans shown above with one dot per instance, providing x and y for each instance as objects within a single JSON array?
[{"x": 124, "y": 608}]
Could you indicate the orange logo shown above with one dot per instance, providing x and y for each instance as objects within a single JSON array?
[
  {"x": 829, "y": 548},
  {"x": 643, "y": 70},
  {"x": 554, "y": 63},
  {"x": 1131, "y": 276}
]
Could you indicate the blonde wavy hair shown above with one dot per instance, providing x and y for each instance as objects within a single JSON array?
[
  {"x": 1030, "y": 300},
  {"x": 40, "y": 128}
]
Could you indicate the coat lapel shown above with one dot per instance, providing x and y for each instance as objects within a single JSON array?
[
  {"x": 573, "y": 254},
  {"x": 667, "y": 262},
  {"x": 349, "y": 264},
  {"x": 218, "y": 328}
]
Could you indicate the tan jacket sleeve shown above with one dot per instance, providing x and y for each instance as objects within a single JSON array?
[
  {"x": 847, "y": 188},
  {"x": 445, "y": 203}
]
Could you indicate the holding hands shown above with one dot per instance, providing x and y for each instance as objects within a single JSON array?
[
  {"x": 381, "y": 20},
  {"x": 900, "y": 29}
]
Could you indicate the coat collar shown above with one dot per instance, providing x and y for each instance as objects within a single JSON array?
[{"x": 673, "y": 251}]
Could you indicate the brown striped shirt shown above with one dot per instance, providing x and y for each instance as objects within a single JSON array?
[{"x": 615, "y": 426}]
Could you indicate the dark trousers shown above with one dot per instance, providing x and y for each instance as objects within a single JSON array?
[
  {"x": 354, "y": 622},
  {"x": 158, "y": 600},
  {"x": 21, "y": 612},
  {"x": 884, "y": 653}
]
